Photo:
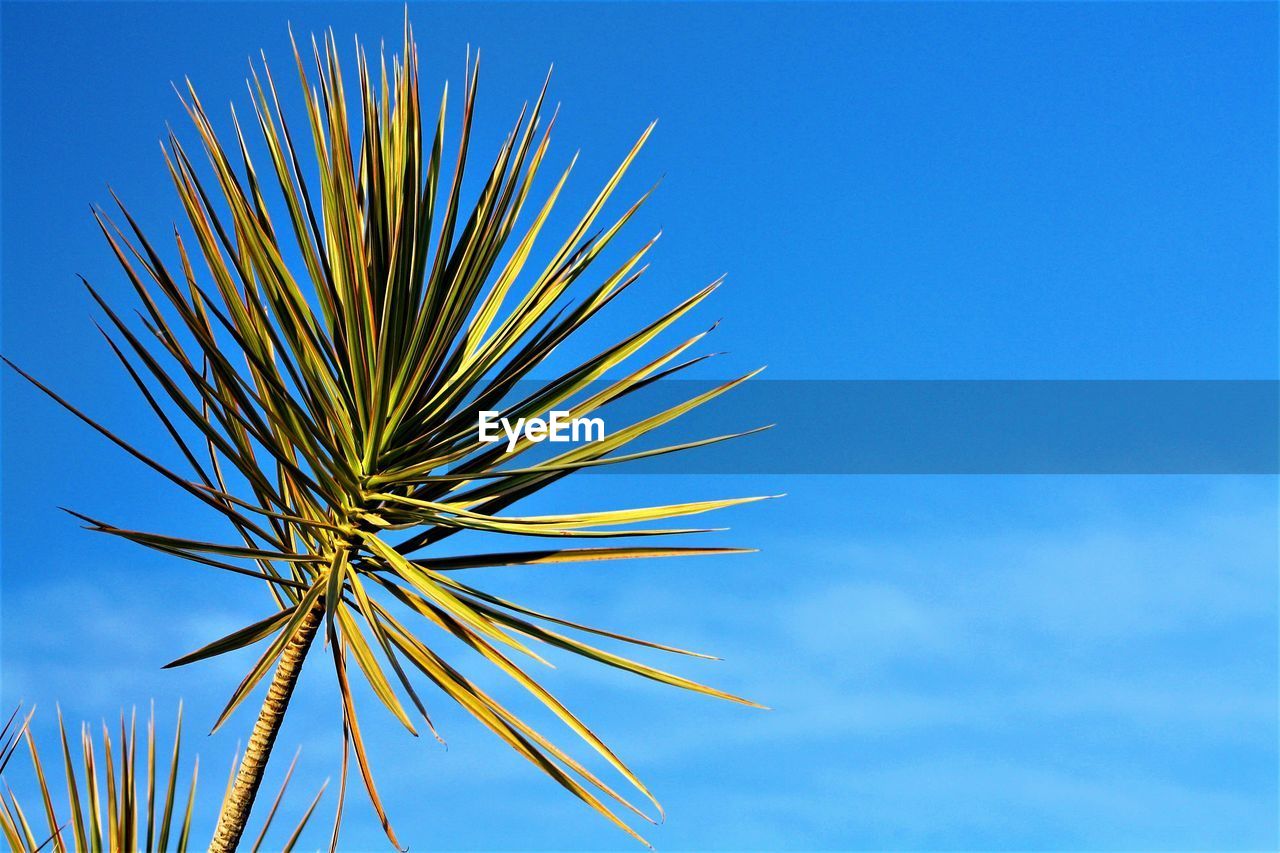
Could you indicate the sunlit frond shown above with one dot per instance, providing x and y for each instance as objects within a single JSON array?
[{"x": 117, "y": 797}]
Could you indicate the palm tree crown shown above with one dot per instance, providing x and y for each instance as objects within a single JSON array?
[{"x": 328, "y": 412}]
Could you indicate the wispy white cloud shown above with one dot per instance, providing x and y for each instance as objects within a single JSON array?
[{"x": 1066, "y": 685}]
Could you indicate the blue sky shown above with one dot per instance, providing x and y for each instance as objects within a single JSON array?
[{"x": 928, "y": 191}]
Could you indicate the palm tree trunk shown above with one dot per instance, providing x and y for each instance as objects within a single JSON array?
[{"x": 235, "y": 811}]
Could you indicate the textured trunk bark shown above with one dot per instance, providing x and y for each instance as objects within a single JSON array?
[{"x": 235, "y": 812}]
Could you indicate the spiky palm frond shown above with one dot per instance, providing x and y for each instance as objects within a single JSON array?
[
  {"x": 134, "y": 817},
  {"x": 336, "y": 403}
]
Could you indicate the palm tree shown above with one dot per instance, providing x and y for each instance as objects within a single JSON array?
[
  {"x": 135, "y": 818},
  {"x": 327, "y": 366}
]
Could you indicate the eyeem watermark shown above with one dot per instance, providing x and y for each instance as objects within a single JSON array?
[{"x": 558, "y": 427}]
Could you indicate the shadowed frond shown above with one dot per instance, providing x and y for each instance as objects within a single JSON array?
[{"x": 318, "y": 344}]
